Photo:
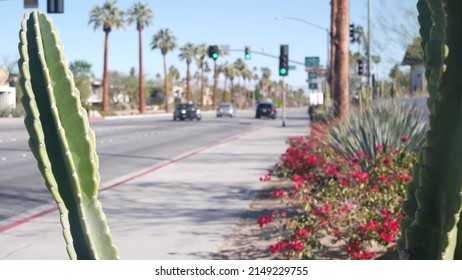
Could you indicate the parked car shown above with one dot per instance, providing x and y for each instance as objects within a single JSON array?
[
  {"x": 266, "y": 109},
  {"x": 226, "y": 109},
  {"x": 187, "y": 111}
]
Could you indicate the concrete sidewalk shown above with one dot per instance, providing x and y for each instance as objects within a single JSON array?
[{"x": 180, "y": 210}]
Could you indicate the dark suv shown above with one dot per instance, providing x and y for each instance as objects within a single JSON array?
[
  {"x": 186, "y": 111},
  {"x": 266, "y": 109}
]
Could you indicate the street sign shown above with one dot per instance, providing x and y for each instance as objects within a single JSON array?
[
  {"x": 312, "y": 62},
  {"x": 224, "y": 49},
  {"x": 312, "y": 75},
  {"x": 313, "y": 86},
  {"x": 292, "y": 67}
]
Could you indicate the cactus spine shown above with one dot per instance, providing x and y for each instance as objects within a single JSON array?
[
  {"x": 61, "y": 139},
  {"x": 437, "y": 186}
]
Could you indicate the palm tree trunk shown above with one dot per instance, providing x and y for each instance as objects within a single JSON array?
[
  {"x": 202, "y": 84},
  {"x": 245, "y": 91},
  {"x": 239, "y": 92},
  {"x": 224, "y": 91},
  {"x": 333, "y": 46},
  {"x": 342, "y": 60},
  {"x": 141, "y": 85},
  {"x": 105, "y": 76},
  {"x": 188, "y": 79},
  {"x": 232, "y": 91},
  {"x": 165, "y": 83}
]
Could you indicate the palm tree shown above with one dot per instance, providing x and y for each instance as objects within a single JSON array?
[
  {"x": 109, "y": 17},
  {"x": 222, "y": 69},
  {"x": 165, "y": 41},
  {"x": 341, "y": 106},
  {"x": 143, "y": 16},
  {"x": 247, "y": 75},
  {"x": 265, "y": 79},
  {"x": 187, "y": 53},
  {"x": 200, "y": 53},
  {"x": 232, "y": 73},
  {"x": 241, "y": 67}
]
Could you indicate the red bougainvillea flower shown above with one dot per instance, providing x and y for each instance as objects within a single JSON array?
[
  {"x": 345, "y": 182},
  {"x": 387, "y": 162},
  {"x": 279, "y": 193},
  {"x": 331, "y": 169},
  {"x": 382, "y": 178},
  {"x": 379, "y": 148},
  {"x": 296, "y": 246},
  {"x": 265, "y": 178},
  {"x": 405, "y": 139},
  {"x": 298, "y": 181},
  {"x": 354, "y": 161},
  {"x": 264, "y": 220},
  {"x": 360, "y": 177},
  {"x": 278, "y": 247},
  {"x": 405, "y": 178},
  {"x": 301, "y": 233}
]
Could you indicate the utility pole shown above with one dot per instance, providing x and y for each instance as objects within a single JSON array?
[{"x": 369, "y": 41}]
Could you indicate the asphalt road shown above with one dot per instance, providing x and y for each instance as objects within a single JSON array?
[{"x": 124, "y": 146}]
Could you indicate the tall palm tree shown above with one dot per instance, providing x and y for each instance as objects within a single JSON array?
[
  {"x": 265, "y": 79},
  {"x": 241, "y": 67},
  {"x": 187, "y": 53},
  {"x": 143, "y": 16},
  {"x": 173, "y": 74},
  {"x": 232, "y": 73},
  {"x": 342, "y": 57},
  {"x": 247, "y": 75},
  {"x": 199, "y": 53},
  {"x": 108, "y": 16},
  {"x": 165, "y": 41},
  {"x": 222, "y": 69}
]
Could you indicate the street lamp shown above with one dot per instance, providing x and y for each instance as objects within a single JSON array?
[{"x": 313, "y": 25}]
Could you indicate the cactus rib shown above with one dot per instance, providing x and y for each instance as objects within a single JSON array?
[
  {"x": 61, "y": 139},
  {"x": 434, "y": 233}
]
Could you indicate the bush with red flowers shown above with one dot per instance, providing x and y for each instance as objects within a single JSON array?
[{"x": 353, "y": 202}]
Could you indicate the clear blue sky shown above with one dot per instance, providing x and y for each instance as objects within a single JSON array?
[{"x": 237, "y": 23}]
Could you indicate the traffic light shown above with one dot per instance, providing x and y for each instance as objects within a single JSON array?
[
  {"x": 352, "y": 33},
  {"x": 360, "y": 67},
  {"x": 284, "y": 61},
  {"x": 213, "y": 52},
  {"x": 55, "y": 6},
  {"x": 247, "y": 53}
]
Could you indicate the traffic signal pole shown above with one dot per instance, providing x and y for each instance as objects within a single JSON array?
[{"x": 283, "y": 102}]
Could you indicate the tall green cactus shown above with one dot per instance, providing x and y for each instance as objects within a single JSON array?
[
  {"x": 435, "y": 200},
  {"x": 61, "y": 139}
]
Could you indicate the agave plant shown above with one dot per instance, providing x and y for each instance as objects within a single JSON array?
[{"x": 383, "y": 123}]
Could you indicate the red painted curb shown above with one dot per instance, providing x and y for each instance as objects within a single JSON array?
[{"x": 144, "y": 173}]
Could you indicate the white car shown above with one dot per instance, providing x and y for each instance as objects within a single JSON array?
[{"x": 226, "y": 109}]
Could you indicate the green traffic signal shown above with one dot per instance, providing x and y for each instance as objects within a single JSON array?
[
  {"x": 247, "y": 56},
  {"x": 282, "y": 71},
  {"x": 214, "y": 55}
]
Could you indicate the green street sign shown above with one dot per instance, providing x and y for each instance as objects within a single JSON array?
[
  {"x": 292, "y": 67},
  {"x": 312, "y": 62},
  {"x": 312, "y": 75},
  {"x": 312, "y": 86}
]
